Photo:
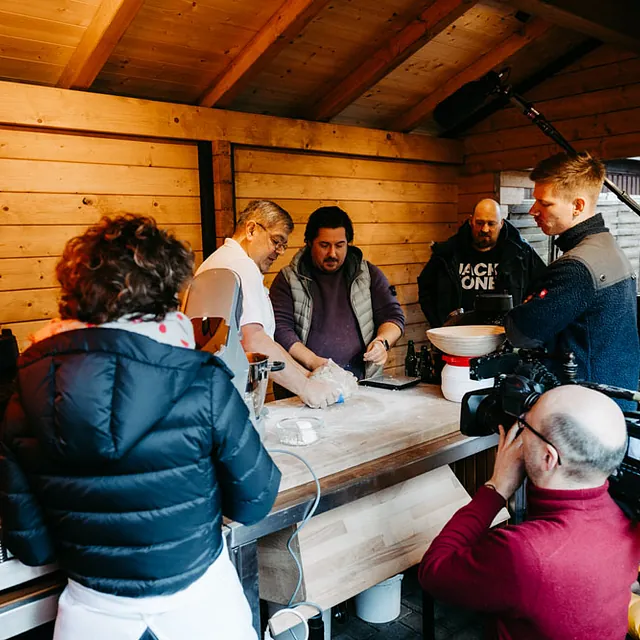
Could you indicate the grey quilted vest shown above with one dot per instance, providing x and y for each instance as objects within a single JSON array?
[{"x": 360, "y": 296}]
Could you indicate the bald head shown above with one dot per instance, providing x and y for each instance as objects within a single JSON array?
[
  {"x": 587, "y": 428},
  {"x": 486, "y": 224},
  {"x": 488, "y": 207}
]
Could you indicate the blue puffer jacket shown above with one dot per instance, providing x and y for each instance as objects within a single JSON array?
[{"x": 119, "y": 457}]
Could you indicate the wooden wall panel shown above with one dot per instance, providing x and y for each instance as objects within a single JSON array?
[
  {"x": 27, "y": 144},
  {"x": 594, "y": 104},
  {"x": 37, "y": 176},
  {"x": 55, "y": 184},
  {"x": 472, "y": 189},
  {"x": 60, "y": 109},
  {"x": 398, "y": 209}
]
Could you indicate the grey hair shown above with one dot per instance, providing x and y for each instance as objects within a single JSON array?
[
  {"x": 584, "y": 456},
  {"x": 266, "y": 213}
]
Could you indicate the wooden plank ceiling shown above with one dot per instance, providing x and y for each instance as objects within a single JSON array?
[{"x": 383, "y": 64}]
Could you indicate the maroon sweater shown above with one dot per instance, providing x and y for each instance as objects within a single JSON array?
[{"x": 564, "y": 573}]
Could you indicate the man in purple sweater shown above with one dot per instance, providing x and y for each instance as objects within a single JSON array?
[
  {"x": 567, "y": 571},
  {"x": 329, "y": 302}
]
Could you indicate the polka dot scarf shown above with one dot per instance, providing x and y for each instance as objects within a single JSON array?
[{"x": 175, "y": 329}]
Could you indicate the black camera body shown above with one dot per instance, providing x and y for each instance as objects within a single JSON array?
[{"x": 520, "y": 379}]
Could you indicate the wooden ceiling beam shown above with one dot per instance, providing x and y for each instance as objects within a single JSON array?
[
  {"x": 412, "y": 118},
  {"x": 290, "y": 19},
  {"x": 27, "y": 105},
  {"x": 432, "y": 21},
  {"x": 613, "y": 22},
  {"x": 109, "y": 24}
]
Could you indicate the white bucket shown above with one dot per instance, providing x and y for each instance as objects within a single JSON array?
[
  {"x": 456, "y": 380},
  {"x": 272, "y": 607},
  {"x": 380, "y": 603}
]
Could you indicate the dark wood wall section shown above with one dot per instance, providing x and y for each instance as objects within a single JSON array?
[
  {"x": 594, "y": 103},
  {"x": 473, "y": 472}
]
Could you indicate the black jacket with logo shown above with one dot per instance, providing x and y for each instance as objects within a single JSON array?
[{"x": 439, "y": 284}]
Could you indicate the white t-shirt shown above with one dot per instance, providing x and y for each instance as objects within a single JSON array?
[{"x": 256, "y": 305}]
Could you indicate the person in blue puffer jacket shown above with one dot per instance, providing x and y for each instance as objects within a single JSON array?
[{"x": 124, "y": 447}]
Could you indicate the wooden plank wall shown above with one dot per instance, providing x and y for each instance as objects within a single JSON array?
[
  {"x": 507, "y": 188},
  {"x": 398, "y": 208},
  {"x": 53, "y": 185},
  {"x": 624, "y": 224},
  {"x": 514, "y": 186},
  {"x": 594, "y": 103},
  {"x": 472, "y": 189}
]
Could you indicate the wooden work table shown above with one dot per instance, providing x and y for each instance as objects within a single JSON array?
[{"x": 375, "y": 440}]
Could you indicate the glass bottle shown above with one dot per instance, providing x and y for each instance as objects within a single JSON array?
[
  {"x": 411, "y": 360},
  {"x": 427, "y": 373}
]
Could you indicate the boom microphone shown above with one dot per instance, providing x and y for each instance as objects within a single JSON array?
[
  {"x": 467, "y": 99},
  {"x": 471, "y": 96}
]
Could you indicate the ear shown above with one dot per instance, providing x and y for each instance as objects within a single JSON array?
[
  {"x": 579, "y": 205},
  {"x": 550, "y": 459},
  {"x": 250, "y": 228}
]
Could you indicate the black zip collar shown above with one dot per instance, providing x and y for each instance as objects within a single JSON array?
[{"x": 574, "y": 236}]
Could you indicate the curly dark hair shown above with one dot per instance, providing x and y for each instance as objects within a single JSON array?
[{"x": 120, "y": 266}]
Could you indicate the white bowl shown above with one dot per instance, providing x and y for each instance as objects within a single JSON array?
[{"x": 470, "y": 340}]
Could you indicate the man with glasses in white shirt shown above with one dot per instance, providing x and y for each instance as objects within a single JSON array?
[{"x": 260, "y": 237}]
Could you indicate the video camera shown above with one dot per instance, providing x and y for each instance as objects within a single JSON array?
[{"x": 521, "y": 377}]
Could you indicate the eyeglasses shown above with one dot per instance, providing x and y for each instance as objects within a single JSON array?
[
  {"x": 278, "y": 245},
  {"x": 525, "y": 425}
]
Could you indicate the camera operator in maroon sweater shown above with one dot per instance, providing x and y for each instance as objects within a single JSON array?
[{"x": 565, "y": 572}]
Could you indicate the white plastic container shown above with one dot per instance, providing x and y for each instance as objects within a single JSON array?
[
  {"x": 456, "y": 381},
  {"x": 298, "y": 630},
  {"x": 380, "y": 603}
]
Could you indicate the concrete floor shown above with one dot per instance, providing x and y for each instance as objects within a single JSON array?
[{"x": 451, "y": 623}]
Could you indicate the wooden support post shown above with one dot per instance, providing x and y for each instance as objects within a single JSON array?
[{"x": 223, "y": 190}]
